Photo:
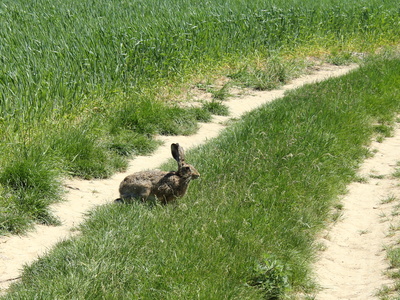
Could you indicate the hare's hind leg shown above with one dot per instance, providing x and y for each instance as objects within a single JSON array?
[{"x": 138, "y": 194}]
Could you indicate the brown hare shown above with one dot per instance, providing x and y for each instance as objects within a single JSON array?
[{"x": 156, "y": 184}]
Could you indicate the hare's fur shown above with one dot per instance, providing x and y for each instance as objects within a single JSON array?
[{"x": 161, "y": 185}]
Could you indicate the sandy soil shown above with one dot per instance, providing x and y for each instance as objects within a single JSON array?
[
  {"x": 353, "y": 263},
  {"x": 350, "y": 268}
]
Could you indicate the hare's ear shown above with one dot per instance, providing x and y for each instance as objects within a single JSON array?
[{"x": 177, "y": 153}]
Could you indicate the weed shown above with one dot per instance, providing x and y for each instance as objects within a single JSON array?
[
  {"x": 389, "y": 199},
  {"x": 375, "y": 176},
  {"x": 272, "y": 277},
  {"x": 396, "y": 173},
  {"x": 221, "y": 94},
  {"x": 360, "y": 179},
  {"x": 393, "y": 255},
  {"x": 216, "y": 108}
]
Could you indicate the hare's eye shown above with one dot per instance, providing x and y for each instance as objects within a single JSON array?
[{"x": 187, "y": 169}]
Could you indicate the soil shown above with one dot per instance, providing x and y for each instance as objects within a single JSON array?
[
  {"x": 353, "y": 263},
  {"x": 350, "y": 267}
]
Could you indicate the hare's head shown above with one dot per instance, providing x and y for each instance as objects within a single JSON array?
[{"x": 184, "y": 170}]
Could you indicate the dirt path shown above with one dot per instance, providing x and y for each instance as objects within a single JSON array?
[
  {"x": 15, "y": 251},
  {"x": 353, "y": 262}
]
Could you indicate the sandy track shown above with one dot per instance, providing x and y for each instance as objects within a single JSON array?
[
  {"x": 82, "y": 195},
  {"x": 353, "y": 263}
]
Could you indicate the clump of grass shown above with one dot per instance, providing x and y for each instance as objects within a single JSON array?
[
  {"x": 127, "y": 143},
  {"x": 337, "y": 212},
  {"x": 271, "y": 277},
  {"x": 266, "y": 74},
  {"x": 383, "y": 131},
  {"x": 389, "y": 199},
  {"x": 361, "y": 179},
  {"x": 216, "y": 108},
  {"x": 385, "y": 292},
  {"x": 201, "y": 114},
  {"x": 222, "y": 93},
  {"x": 340, "y": 58},
  {"x": 28, "y": 184},
  {"x": 258, "y": 79},
  {"x": 396, "y": 173},
  {"x": 377, "y": 176},
  {"x": 12, "y": 218},
  {"x": 83, "y": 154},
  {"x": 148, "y": 116}
]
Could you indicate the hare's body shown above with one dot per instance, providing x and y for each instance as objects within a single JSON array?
[
  {"x": 165, "y": 186},
  {"x": 155, "y": 184}
]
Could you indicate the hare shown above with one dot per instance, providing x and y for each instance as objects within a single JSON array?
[{"x": 161, "y": 185}]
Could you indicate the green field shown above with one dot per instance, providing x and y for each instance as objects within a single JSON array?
[{"x": 85, "y": 86}]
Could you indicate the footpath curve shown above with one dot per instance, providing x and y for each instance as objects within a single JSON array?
[{"x": 83, "y": 195}]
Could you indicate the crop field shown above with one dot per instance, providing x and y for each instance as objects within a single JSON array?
[{"x": 85, "y": 86}]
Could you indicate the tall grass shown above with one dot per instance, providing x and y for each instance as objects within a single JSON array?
[
  {"x": 246, "y": 229},
  {"x": 88, "y": 74},
  {"x": 60, "y": 57}
]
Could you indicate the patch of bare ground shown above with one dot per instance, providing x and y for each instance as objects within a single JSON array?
[{"x": 83, "y": 195}]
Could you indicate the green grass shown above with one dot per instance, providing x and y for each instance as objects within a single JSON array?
[
  {"x": 396, "y": 173},
  {"x": 247, "y": 227},
  {"x": 216, "y": 108},
  {"x": 273, "y": 74},
  {"x": 389, "y": 199},
  {"x": 83, "y": 82}
]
